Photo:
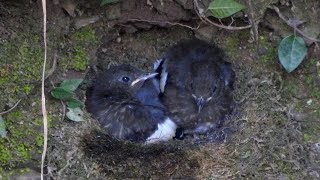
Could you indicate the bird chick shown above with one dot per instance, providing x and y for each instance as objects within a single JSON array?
[
  {"x": 196, "y": 83},
  {"x": 125, "y": 100}
]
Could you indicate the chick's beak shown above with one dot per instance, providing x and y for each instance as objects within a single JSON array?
[
  {"x": 144, "y": 77},
  {"x": 200, "y": 103}
]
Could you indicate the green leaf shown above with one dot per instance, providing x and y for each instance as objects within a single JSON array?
[
  {"x": 70, "y": 84},
  {"x": 291, "y": 52},
  {"x": 75, "y": 114},
  {"x": 224, "y": 8},
  {"x": 60, "y": 93},
  {"x": 3, "y": 131},
  {"x": 104, "y": 2},
  {"x": 306, "y": 137},
  {"x": 73, "y": 103}
]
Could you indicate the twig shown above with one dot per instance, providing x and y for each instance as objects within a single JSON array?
[
  {"x": 200, "y": 13},
  {"x": 295, "y": 28},
  {"x": 253, "y": 22},
  {"x": 54, "y": 66},
  {"x": 14, "y": 106},
  {"x": 68, "y": 162},
  {"x": 63, "y": 110},
  {"x": 88, "y": 171},
  {"x": 64, "y": 167},
  {"x": 43, "y": 97},
  {"x": 166, "y": 22}
]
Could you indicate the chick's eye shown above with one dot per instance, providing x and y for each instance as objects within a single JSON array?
[
  {"x": 125, "y": 79},
  {"x": 191, "y": 85}
]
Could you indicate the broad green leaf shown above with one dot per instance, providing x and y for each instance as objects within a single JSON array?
[
  {"x": 60, "y": 93},
  {"x": 291, "y": 52},
  {"x": 224, "y": 8},
  {"x": 70, "y": 84},
  {"x": 73, "y": 103},
  {"x": 75, "y": 114},
  {"x": 104, "y": 2},
  {"x": 3, "y": 131}
]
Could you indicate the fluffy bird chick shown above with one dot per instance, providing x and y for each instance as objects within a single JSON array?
[
  {"x": 196, "y": 83},
  {"x": 125, "y": 100}
]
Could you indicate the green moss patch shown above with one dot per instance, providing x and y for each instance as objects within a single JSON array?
[
  {"x": 20, "y": 144},
  {"x": 20, "y": 67},
  {"x": 77, "y": 55},
  {"x": 24, "y": 141}
]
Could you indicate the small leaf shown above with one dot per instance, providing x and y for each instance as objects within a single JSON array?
[
  {"x": 60, "y": 93},
  {"x": 291, "y": 52},
  {"x": 3, "y": 131},
  {"x": 70, "y": 84},
  {"x": 75, "y": 114},
  {"x": 73, "y": 103},
  {"x": 104, "y": 2},
  {"x": 224, "y": 8},
  {"x": 306, "y": 137}
]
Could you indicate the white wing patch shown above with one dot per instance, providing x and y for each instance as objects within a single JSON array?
[
  {"x": 163, "y": 80},
  {"x": 157, "y": 64},
  {"x": 164, "y": 73},
  {"x": 165, "y": 132}
]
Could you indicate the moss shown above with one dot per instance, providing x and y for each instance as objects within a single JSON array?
[
  {"x": 309, "y": 79},
  {"x": 18, "y": 130},
  {"x": 39, "y": 140},
  {"x": 5, "y": 153},
  {"x": 27, "y": 88},
  {"x": 310, "y": 63},
  {"x": 15, "y": 124},
  {"x": 77, "y": 56},
  {"x": 271, "y": 52},
  {"x": 235, "y": 40},
  {"x": 307, "y": 86},
  {"x": 232, "y": 43},
  {"x": 80, "y": 58},
  {"x": 291, "y": 86},
  {"x": 306, "y": 137},
  {"x": 317, "y": 112},
  {"x": 23, "y": 139},
  {"x": 23, "y": 151},
  {"x": 315, "y": 92},
  {"x": 39, "y": 121},
  {"x": 20, "y": 66},
  {"x": 24, "y": 170},
  {"x": 311, "y": 130},
  {"x": 85, "y": 35},
  {"x": 5, "y": 175},
  {"x": 8, "y": 175}
]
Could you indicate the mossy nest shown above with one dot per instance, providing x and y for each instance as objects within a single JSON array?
[{"x": 123, "y": 159}]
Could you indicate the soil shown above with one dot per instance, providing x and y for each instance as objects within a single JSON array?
[{"x": 273, "y": 133}]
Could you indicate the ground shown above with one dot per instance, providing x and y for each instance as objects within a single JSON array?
[{"x": 273, "y": 132}]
